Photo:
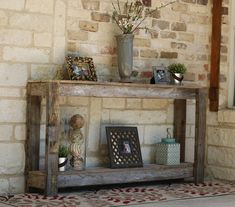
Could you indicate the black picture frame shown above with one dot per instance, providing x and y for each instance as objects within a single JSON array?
[
  {"x": 161, "y": 75},
  {"x": 80, "y": 68},
  {"x": 124, "y": 147}
]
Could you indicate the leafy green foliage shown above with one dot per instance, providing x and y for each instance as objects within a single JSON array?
[
  {"x": 177, "y": 68},
  {"x": 63, "y": 151}
]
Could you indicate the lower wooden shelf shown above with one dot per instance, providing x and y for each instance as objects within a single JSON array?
[{"x": 103, "y": 176}]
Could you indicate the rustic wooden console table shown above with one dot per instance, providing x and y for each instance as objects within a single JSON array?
[{"x": 50, "y": 179}]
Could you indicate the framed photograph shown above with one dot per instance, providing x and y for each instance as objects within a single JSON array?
[
  {"x": 80, "y": 68},
  {"x": 124, "y": 147},
  {"x": 161, "y": 75}
]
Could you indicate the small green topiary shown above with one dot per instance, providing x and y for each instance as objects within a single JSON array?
[
  {"x": 63, "y": 151},
  {"x": 177, "y": 68}
]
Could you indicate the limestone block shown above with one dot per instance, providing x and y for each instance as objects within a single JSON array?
[
  {"x": 43, "y": 72},
  {"x": 3, "y": 18},
  {"x": 189, "y": 149},
  {"x": 114, "y": 103},
  {"x": 226, "y": 116},
  {"x": 17, "y": 184},
  {"x": 74, "y": 15},
  {"x": 187, "y": 37},
  {"x": 26, "y": 54},
  {"x": 12, "y": 158},
  {"x": 190, "y": 116},
  {"x": 155, "y": 104},
  {"x": 59, "y": 50},
  {"x": 161, "y": 24},
  {"x": 148, "y": 154},
  {"x": 13, "y": 74},
  {"x": 137, "y": 117},
  {"x": 179, "y": 7},
  {"x": 148, "y": 53},
  {"x": 42, "y": 6},
  {"x": 178, "y": 26},
  {"x": 6, "y": 132},
  {"x": 168, "y": 55},
  {"x": 77, "y": 35},
  {"x": 15, "y": 37},
  {"x": 167, "y": 35},
  {"x": 170, "y": 114},
  {"x": 105, "y": 116},
  {"x": 133, "y": 103},
  {"x": 221, "y": 136},
  {"x": 10, "y": 92},
  {"x": 100, "y": 17},
  {"x": 43, "y": 39},
  {"x": 154, "y": 133},
  {"x": 4, "y": 186},
  {"x": 20, "y": 132},
  {"x": 221, "y": 156},
  {"x": 74, "y": 4},
  {"x": 88, "y": 26},
  {"x": 59, "y": 19},
  {"x": 198, "y": 9},
  {"x": 12, "y": 110},
  {"x": 91, "y": 4},
  {"x": 35, "y": 22},
  {"x": 78, "y": 101},
  {"x": 177, "y": 45},
  {"x": 12, "y": 4},
  {"x": 222, "y": 173},
  {"x": 94, "y": 124},
  {"x": 140, "y": 42},
  {"x": 93, "y": 162}
]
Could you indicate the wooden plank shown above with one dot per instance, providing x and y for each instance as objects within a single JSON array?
[
  {"x": 52, "y": 134},
  {"x": 180, "y": 125},
  {"x": 200, "y": 133},
  {"x": 124, "y": 175},
  {"x": 126, "y": 91},
  {"x": 215, "y": 55},
  {"x": 33, "y": 133},
  {"x": 36, "y": 179}
]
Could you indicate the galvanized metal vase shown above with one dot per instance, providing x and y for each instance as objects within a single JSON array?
[{"x": 125, "y": 56}]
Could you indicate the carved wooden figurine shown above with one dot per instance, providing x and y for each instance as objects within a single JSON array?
[{"x": 76, "y": 138}]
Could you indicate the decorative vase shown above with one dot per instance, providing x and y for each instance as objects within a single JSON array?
[
  {"x": 177, "y": 78},
  {"x": 62, "y": 163},
  {"x": 125, "y": 56}
]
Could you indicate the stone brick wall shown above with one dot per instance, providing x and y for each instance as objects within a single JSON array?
[{"x": 36, "y": 35}]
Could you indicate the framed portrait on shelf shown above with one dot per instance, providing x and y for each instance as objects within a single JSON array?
[
  {"x": 124, "y": 147},
  {"x": 80, "y": 68},
  {"x": 161, "y": 75}
]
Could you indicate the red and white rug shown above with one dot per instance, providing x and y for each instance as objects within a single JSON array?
[{"x": 121, "y": 196}]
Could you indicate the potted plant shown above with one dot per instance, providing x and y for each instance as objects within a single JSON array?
[
  {"x": 177, "y": 70},
  {"x": 63, "y": 157}
]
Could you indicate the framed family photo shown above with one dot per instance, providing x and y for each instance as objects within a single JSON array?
[
  {"x": 161, "y": 75},
  {"x": 80, "y": 68},
  {"x": 124, "y": 147}
]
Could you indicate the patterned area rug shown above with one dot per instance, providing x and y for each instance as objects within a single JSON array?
[{"x": 121, "y": 196}]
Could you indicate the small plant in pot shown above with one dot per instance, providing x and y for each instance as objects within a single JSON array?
[
  {"x": 177, "y": 70},
  {"x": 63, "y": 157}
]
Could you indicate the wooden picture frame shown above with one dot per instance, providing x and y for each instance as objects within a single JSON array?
[
  {"x": 124, "y": 147},
  {"x": 161, "y": 75},
  {"x": 80, "y": 68}
]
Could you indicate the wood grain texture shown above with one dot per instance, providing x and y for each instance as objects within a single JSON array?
[
  {"x": 200, "y": 133},
  {"x": 180, "y": 125},
  {"x": 32, "y": 133},
  {"x": 52, "y": 135},
  {"x": 125, "y": 175},
  {"x": 215, "y": 55}
]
